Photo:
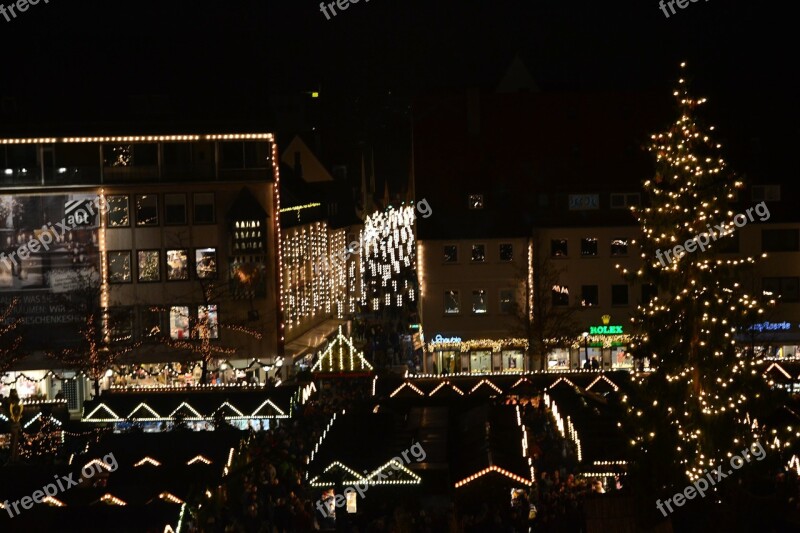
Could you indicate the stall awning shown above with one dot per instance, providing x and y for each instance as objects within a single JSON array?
[{"x": 312, "y": 340}]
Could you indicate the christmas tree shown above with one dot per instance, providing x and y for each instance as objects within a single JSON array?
[{"x": 696, "y": 408}]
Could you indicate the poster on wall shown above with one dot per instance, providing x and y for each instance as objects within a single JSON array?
[{"x": 49, "y": 262}]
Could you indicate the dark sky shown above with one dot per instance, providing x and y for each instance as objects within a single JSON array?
[{"x": 73, "y": 59}]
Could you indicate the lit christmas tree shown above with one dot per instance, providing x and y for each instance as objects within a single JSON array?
[{"x": 697, "y": 406}]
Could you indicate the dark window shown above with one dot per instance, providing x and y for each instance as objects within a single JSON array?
[
  {"x": 619, "y": 247},
  {"x": 478, "y": 253},
  {"x": 175, "y": 209},
  {"x": 452, "y": 302},
  {"x": 506, "y": 252},
  {"x": 475, "y": 201},
  {"x": 119, "y": 267},
  {"x": 560, "y": 295},
  {"x": 451, "y": 253},
  {"x": 479, "y": 306},
  {"x": 508, "y": 302},
  {"x": 204, "y": 208},
  {"x": 558, "y": 248},
  {"x": 788, "y": 289},
  {"x": 588, "y": 247},
  {"x": 589, "y": 295},
  {"x": 728, "y": 244},
  {"x": 152, "y": 323},
  {"x": 120, "y": 324},
  {"x": 619, "y": 295},
  {"x": 146, "y": 210},
  {"x": 780, "y": 240},
  {"x": 649, "y": 292},
  {"x": 118, "y": 212}
]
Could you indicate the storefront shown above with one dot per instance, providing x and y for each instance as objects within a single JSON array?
[
  {"x": 452, "y": 355},
  {"x": 773, "y": 340}
]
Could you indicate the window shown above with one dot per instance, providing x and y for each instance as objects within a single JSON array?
[
  {"x": 649, "y": 291},
  {"x": 619, "y": 295},
  {"x": 451, "y": 302},
  {"x": 508, "y": 303},
  {"x": 118, "y": 211},
  {"x": 624, "y": 200},
  {"x": 204, "y": 208},
  {"x": 506, "y": 252},
  {"x": 148, "y": 265},
  {"x": 179, "y": 322},
  {"x": 478, "y": 253},
  {"x": 480, "y": 361},
  {"x": 119, "y": 267},
  {"x": 558, "y": 248},
  {"x": 788, "y": 289},
  {"x": 588, "y": 247},
  {"x": 766, "y": 193},
  {"x": 513, "y": 360},
  {"x": 177, "y": 265},
  {"x": 151, "y": 322},
  {"x": 479, "y": 302},
  {"x": 589, "y": 295},
  {"x": 560, "y": 295},
  {"x": 120, "y": 324},
  {"x": 175, "y": 209},
  {"x": 205, "y": 263},
  {"x": 475, "y": 201},
  {"x": 780, "y": 240},
  {"x": 619, "y": 247},
  {"x": 451, "y": 253},
  {"x": 146, "y": 210},
  {"x": 207, "y": 322}
]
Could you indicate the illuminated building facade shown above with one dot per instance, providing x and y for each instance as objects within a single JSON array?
[{"x": 171, "y": 242}]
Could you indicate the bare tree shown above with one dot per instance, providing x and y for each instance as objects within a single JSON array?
[
  {"x": 547, "y": 326},
  {"x": 10, "y": 337}
]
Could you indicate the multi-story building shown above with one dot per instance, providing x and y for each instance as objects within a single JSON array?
[
  {"x": 528, "y": 184},
  {"x": 169, "y": 241}
]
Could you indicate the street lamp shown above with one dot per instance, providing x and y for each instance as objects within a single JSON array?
[{"x": 586, "y": 348}]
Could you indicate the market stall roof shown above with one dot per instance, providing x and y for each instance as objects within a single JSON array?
[
  {"x": 341, "y": 357},
  {"x": 191, "y": 404},
  {"x": 312, "y": 339}
]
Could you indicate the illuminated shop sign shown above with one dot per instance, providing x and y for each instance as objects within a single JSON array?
[
  {"x": 605, "y": 330},
  {"x": 438, "y": 339},
  {"x": 771, "y": 326}
]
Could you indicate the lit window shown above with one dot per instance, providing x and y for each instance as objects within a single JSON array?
[
  {"x": 205, "y": 263},
  {"x": 560, "y": 295},
  {"x": 478, "y": 253},
  {"x": 179, "y": 322},
  {"x": 148, "y": 264},
  {"x": 177, "y": 265},
  {"x": 506, "y": 252},
  {"x": 207, "y": 322},
  {"x": 475, "y": 201},
  {"x": 588, "y": 247},
  {"x": 479, "y": 302},
  {"x": 452, "y": 302}
]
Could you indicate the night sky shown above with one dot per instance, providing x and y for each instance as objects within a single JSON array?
[{"x": 73, "y": 61}]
